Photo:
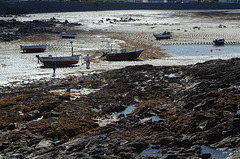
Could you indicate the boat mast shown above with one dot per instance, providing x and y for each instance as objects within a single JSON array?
[{"x": 72, "y": 47}]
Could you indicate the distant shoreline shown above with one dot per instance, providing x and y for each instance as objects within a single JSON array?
[{"x": 28, "y": 7}]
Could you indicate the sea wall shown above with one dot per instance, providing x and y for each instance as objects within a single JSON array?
[{"x": 48, "y": 7}]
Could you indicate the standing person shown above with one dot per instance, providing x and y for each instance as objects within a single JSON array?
[
  {"x": 87, "y": 62},
  {"x": 54, "y": 66}
]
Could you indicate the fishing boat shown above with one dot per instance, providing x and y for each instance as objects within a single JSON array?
[
  {"x": 33, "y": 48},
  {"x": 63, "y": 61},
  {"x": 164, "y": 35},
  {"x": 219, "y": 41},
  {"x": 123, "y": 55},
  {"x": 60, "y": 61},
  {"x": 72, "y": 36}
]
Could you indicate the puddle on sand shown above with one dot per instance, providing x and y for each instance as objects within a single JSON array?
[
  {"x": 218, "y": 153},
  {"x": 153, "y": 118},
  {"x": 114, "y": 116},
  {"x": 95, "y": 110},
  {"x": 127, "y": 111},
  {"x": 238, "y": 111},
  {"x": 151, "y": 151}
]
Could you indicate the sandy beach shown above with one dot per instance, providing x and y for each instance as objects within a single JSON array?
[
  {"x": 179, "y": 99},
  {"x": 126, "y": 29}
]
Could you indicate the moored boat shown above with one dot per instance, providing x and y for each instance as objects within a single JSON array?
[
  {"x": 68, "y": 35},
  {"x": 33, "y": 48},
  {"x": 219, "y": 41},
  {"x": 60, "y": 61},
  {"x": 123, "y": 55},
  {"x": 164, "y": 35}
]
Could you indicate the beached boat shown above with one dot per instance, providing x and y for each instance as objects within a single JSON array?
[
  {"x": 219, "y": 41},
  {"x": 33, "y": 48},
  {"x": 60, "y": 61},
  {"x": 165, "y": 35},
  {"x": 72, "y": 36},
  {"x": 123, "y": 55}
]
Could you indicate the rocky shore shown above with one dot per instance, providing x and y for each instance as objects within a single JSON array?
[
  {"x": 172, "y": 112},
  {"x": 15, "y": 30},
  {"x": 155, "y": 110}
]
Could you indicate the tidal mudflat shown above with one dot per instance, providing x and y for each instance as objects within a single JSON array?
[{"x": 159, "y": 106}]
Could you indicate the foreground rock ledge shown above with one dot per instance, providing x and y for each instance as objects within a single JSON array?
[{"x": 175, "y": 110}]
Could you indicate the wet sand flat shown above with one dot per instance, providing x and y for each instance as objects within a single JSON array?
[{"x": 126, "y": 29}]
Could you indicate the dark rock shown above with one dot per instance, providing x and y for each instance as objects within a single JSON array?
[
  {"x": 11, "y": 126},
  {"x": 205, "y": 156},
  {"x": 65, "y": 97},
  {"x": 203, "y": 114},
  {"x": 51, "y": 114},
  {"x": 47, "y": 106},
  {"x": 4, "y": 145},
  {"x": 35, "y": 114},
  {"x": 206, "y": 105},
  {"x": 189, "y": 105}
]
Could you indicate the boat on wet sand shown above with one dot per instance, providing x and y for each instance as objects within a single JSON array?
[
  {"x": 70, "y": 36},
  {"x": 63, "y": 61},
  {"x": 33, "y": 48},
  {"x": 219, "y": 41},
  {"x": 60, "y": 61},
  {"x": 123, "y": 55},
  {"x": 164, "y": 35}
]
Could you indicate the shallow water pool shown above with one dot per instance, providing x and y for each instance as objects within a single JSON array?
[
  {"x": 202, "y": 50},
  {"x": 218, "y": 153},
  {"x": 151, "y": 151}
]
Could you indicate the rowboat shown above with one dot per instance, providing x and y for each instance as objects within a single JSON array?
[
  {"x": 60, "y": 61},
  {"x": 123, "y": 55},
  {"x": 219, "y": 41},
  {"x": 33, "y": 48},
  {"x": 164, "y": 35},
  {"x": 68, "y": 35}
]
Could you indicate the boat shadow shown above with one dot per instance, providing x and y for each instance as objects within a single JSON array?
[
  {"x": 71, "y": 66},
  {"x": 222, "y": 45},
  {"x": 122, "y": 60},
  {"x": 163, "y": 38},
  {"x": 32, "y": 52},
  {"x": 138, "y": 60}
]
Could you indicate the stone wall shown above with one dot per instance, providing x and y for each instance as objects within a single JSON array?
[{"x": 48, "y": 7}]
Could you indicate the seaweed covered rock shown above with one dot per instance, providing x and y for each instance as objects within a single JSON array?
[{"x": 168, "y": 111}]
